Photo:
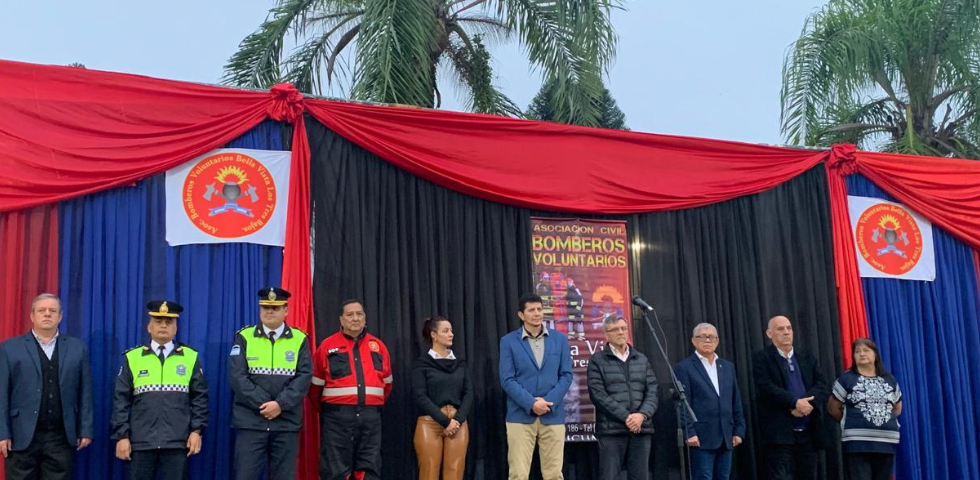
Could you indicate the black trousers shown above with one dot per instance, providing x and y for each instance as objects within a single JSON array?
[
  {"x": 869, "y": 466},
  {"x": 793, "y": 462},
  {"x": 350, "y": 442},
  {"x": 257, "y": 449},
  {"x": 48, "y": 457},
  {"x": 629, "y": 451},
  {"x": 162, "y": 464}
]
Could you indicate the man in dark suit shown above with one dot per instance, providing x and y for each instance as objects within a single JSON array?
[
  {"x": 535, "y": 372},
  {"x": 45, "y": 397},
  {"x": 712, "y": 389},
  {"x": 792, "y": 396}
]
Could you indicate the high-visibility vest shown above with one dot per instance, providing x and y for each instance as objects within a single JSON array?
[
  {"x": 150, "y": 375},
  {"x": 265, "y": 357}
]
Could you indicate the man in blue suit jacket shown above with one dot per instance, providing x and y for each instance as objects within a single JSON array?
[
  {"x": 713, "y": 392},
  {"x": 45, "y": 397},
  {"x": 535, "y": 372}
]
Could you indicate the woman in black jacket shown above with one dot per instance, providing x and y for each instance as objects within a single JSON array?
[{"x": 443, "y": 394}]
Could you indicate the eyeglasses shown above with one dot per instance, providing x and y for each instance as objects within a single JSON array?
[
  {"x": 616, "y": 329},
  {"x": 707, "y": 338}
]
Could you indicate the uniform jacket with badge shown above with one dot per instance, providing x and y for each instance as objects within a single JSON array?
[
  {"x": 261, "y": 371},
  {"x": 157, "y": 405},
  {"x": 353, "y": 371}
]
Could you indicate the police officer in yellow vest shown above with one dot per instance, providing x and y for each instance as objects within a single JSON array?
[
  {"x": 160, "y": 406},
  {"x": 270, "y": 371}
]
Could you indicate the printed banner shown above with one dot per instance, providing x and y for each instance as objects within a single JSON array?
[
  {"x": 891, "y": 240},
  {"x": 581, "y": 273},
  {"x": 229, "y": 195}
]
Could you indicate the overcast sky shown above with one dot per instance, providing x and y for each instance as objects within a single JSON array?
[{"x": 697, "y": 68}]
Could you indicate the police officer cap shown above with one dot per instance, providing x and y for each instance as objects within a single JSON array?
[
  {"x": 164, "y": 308},
  {"x": 273, "y": 296}
]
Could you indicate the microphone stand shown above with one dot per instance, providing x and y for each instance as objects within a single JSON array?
[{"x": 681, "y": 396}]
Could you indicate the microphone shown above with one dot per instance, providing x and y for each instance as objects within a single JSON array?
[{"x": 640, "y": 303}]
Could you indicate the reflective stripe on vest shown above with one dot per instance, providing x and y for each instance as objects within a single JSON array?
[
  {"x": 268, "y": 358},
  {"x": 149, "y": 375},
  {"x": 344, "y": 391}
]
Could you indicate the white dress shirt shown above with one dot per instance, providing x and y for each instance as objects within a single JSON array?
[
  {"x": 48, "y": 348},
  {"x": 434, "y": 354},
  {"x": 711, "y": 368},
  {"x": 278, "y": 331},
  {"x": 167, "y": 348},
  {"x": 622, "y": 356}
]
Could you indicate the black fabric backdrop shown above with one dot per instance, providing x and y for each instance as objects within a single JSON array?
[{"x": 410, "y": 249}]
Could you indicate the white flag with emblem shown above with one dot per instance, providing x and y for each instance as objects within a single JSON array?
[
  {"x": 891, "y": 240},
  {"x": 229, "y": 195}
]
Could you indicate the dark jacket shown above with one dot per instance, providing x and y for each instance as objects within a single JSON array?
[
  {"x": 619, "y": 388},
  {"x": 155, "y": 419},
  {"x": 775, "y": 402},
  {"x": 719, "y": 414},
  {"x": 437, "y": 383},
  {"x": 20, "y": 389},
  {"x": 252, "y": 390}
]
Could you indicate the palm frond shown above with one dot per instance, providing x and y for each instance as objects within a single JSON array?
[
  {"x": 572, "y": 46},
  {"x": 303, "y": 67},
  {"x": 491, "y": 30},
  {"x": 393, "y": 53},
  {"x": 256, "y": 64},
  {"x": 471, "y": 63}
]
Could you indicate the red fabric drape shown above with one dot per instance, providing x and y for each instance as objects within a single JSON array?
[
  {"x": 297, "y": 275},
  {"x": 28, "y": 264},
  {"x": 560, "y": 167},
  {"x": 850, "y": 296},
  {"x": 28, "y": 267},
  {"x": 944, "y": 190},
  {"x": 67, "y": 132}
]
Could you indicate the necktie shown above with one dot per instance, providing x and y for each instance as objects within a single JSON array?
[
  {"x": 272, "y": 336},
  {"x": 163, "y": 357}
]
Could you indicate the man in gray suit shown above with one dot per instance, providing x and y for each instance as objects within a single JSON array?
[{"x": 45, "y": 397}]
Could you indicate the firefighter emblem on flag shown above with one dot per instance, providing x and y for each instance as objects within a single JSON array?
[
  {"x": 229, "y": 195},
  {"x": 889, "y": 238}
]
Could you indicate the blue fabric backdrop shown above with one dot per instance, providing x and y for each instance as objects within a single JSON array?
[
  {"x": 928, "y": 336},
  {"x": 114, "y": 257}
]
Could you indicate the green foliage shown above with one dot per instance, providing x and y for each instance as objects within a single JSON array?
[
  {"x": 400, "y": 44},
  {"x": 895, "y": 75},
  {"x": 543, "y": 108}
]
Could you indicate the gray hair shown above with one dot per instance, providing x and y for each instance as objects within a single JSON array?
[
  {"x": 702, "y": 326},
  {"x": 45, "y": 296},
  {"x": 612, "y": 320}
]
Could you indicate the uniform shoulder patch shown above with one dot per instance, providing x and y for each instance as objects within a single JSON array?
[
  {"x": 235, "y": 350},
  {"x": 131, "y": 349}
]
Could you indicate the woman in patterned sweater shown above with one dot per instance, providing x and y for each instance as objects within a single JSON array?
[{"x": 867, "y": 401}]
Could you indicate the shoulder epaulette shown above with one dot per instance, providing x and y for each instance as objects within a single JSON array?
[{"x": 138, "y": 347}]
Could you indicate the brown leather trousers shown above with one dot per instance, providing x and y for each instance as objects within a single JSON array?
[{"x": 435, "y": 450}]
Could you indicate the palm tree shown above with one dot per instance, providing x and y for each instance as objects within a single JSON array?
[
  {"x": 400, "y": 45},
  {"x": 896, "y": 75}
]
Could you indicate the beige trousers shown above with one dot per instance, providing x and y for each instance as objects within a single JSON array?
[{"x": 550, "y": 439}]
